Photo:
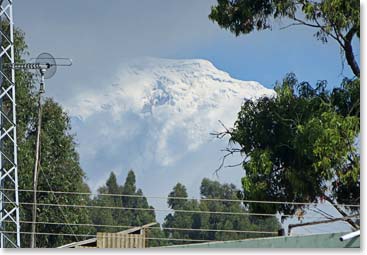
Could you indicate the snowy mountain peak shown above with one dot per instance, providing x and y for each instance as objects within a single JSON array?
[
  {"x": 165, "y": 107},
  {"x": 155, "y": 86}
]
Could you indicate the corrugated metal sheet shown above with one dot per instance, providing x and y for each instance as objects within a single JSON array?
[{"x": 330, "y": 240}]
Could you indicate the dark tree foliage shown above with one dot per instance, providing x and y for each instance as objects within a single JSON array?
[
  {"x": 121, "y": 209},
  {"x": 104, "y": 216},
  {"x": 60, "y": 169},
  {"x": 334, "y": 19},
  {"x": 196, "y": 220},
  {"x": 180, "y": 219},
  {"x": 300, "y": 145}
]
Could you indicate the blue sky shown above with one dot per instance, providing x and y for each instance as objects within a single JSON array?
[
  {"x": 97, "y": 35},
  {"x": 100, "y": 35}
]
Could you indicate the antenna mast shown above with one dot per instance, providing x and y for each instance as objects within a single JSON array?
[
  {"x": 47, "y": 66},
  {"x": 9, "y": 199}
]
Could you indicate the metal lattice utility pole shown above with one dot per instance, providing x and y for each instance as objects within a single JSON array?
[{"x": 9, "y": 200}]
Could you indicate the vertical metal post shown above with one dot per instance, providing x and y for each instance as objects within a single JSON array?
[{"x": 9, "y": 215}]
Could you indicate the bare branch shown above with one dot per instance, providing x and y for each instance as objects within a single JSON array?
[
  {"x": 239, "y": 164},
  {"x": 222, "y": 134},
  {"x": 346, "y": 218},
  {"x": 227, "y": 129},
  {"x": 343, "y": 41},
  {"x": 352, "y": 223},
  {"x": 221, "y": 164},
  {"x": 219, "y": 135},
  {"x": 291, "y": 25},
  {"x": 349, "y": 55},
  {"x": 322, "y": 27},
  {"x": 307, "y": 24},
  {"x": 230, "y": 151}
]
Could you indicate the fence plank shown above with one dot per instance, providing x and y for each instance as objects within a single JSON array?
[{"x": 118, "y": 240}]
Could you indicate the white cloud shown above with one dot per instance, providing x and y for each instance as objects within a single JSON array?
[{"x": 156, "y": 118}]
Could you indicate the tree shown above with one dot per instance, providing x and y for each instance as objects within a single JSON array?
[
  {"x": 178, "y": 200},
  {"x": 299, "y": 147},
  {"x": 113, "y": 188},
  {"x": 334, "y": 19},
  {"x": 214, "y": 190},
  {"x": 188, "y": 215},
  {"x": 120, "y": 213},
  {"x": 60, "y": 169},
  {"x": 105, "y": 216}
]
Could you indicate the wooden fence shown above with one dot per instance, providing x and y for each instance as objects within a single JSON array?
[{"x": 120, "y": 240}]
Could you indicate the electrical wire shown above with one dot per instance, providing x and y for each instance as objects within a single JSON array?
[
  {"x": 169, "y": 210},
  {"x": 185, "y": 198},
  {"x": 163, "y": 228},
  {"x": 93, "y": 236},
  {"x": 63, "y": 214}
]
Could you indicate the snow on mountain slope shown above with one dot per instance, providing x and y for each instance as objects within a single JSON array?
[{"x": 179, "y": 102}]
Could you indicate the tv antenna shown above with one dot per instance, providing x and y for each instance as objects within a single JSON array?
[{"x": 47, "y": 65}]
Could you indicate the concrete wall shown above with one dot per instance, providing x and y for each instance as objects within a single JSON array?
[{"x": 307, "y": 241}]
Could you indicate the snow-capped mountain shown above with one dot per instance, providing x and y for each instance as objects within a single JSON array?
[
  {"x": 180, "y": 101},
  {"x": 150, "y": 85},
  {"x": 156, "y": 118}
]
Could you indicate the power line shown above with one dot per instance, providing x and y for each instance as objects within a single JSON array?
[
  {"x": 169, "y": 210},
  {"x": 86, "y": 235},
  {"x": 147, "y": 209},
  {"x": 185, "y": 198},
  {"x": 57, "y": 202},
  {"x": 163, "y": 228},
  {"x": 292, "y": 226}
]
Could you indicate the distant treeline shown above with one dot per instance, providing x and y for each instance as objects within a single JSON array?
[{"x": 186, "y": 217}]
